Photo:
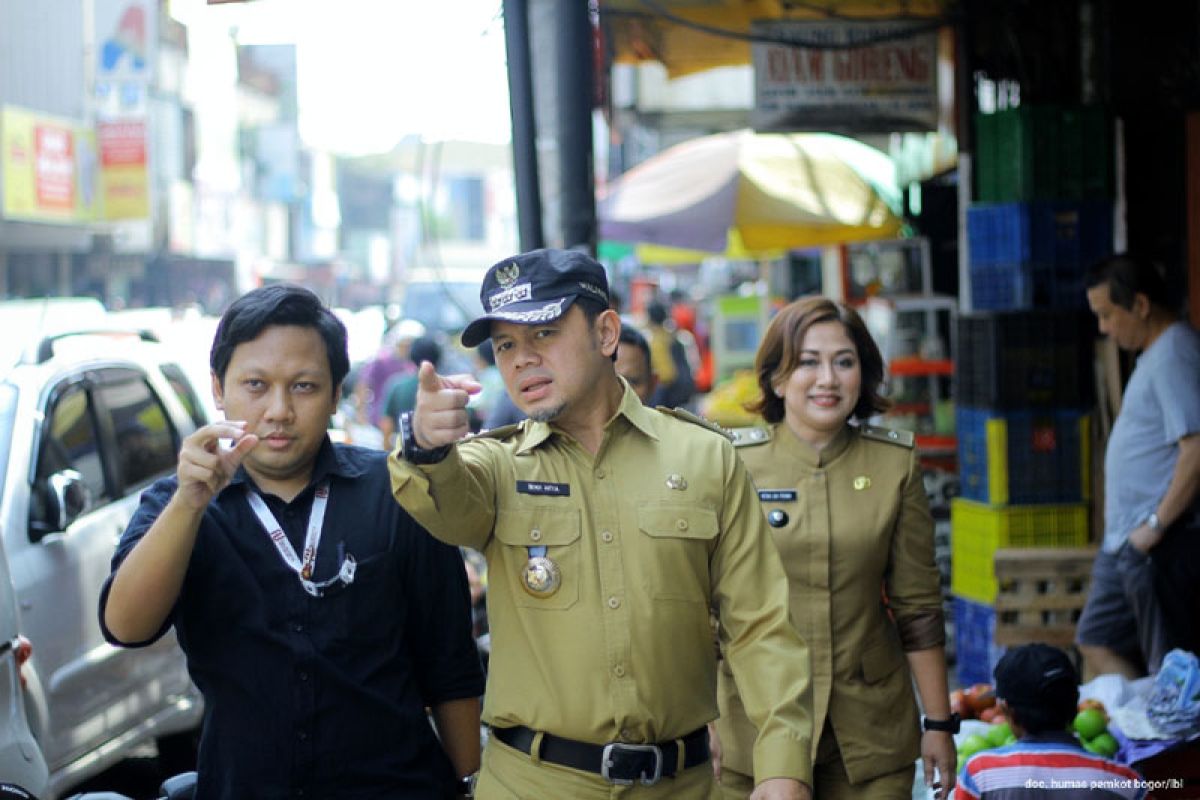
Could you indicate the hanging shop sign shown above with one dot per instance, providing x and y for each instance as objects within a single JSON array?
[{"x": 821, "y": 81}]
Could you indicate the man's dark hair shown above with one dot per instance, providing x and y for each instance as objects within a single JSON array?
[
  {"x": 633, "y": 337},
  {"x": 657, "y": 312},
  {"x": 1127, "y": 275},
  {"x": 425, "y": 349},
  {"x": 279, "y": 304},
  {"x": 1050, "y": 717}
]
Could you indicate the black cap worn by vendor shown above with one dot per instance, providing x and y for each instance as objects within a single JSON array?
[
  {"x": 536, "y": 287},
  {"x": 1036, "y": 675}
]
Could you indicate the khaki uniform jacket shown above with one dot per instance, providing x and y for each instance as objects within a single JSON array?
[
  {"x": 857, "y": 522},
  {"x": 660, "y": 525}
]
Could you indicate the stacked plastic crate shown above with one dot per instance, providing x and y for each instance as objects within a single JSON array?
[
  {"x": 1044, "y": 210},
  {"x": 1023, "y": 391}
]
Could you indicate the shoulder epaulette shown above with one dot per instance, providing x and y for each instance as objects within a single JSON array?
[
  {"x": 503, "y": 432},
  {"x": 748, "y": 437},
  {"x": 687, "y": 416},
  {"x": 878, "y": 434}
]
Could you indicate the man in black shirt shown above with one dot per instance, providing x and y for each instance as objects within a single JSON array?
[{"x": 319, "y": 620}]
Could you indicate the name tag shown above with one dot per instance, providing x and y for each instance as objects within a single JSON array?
[
  {"x": 552, "y": 489},
  {"x": 777, "y": 495}
]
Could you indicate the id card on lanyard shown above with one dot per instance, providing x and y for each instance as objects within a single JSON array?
[{"x": 303, "y": 566}]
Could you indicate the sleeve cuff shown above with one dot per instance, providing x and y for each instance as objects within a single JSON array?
[
  {"x": 783, "y": 759},
  {"x": 922, "y": 631}
]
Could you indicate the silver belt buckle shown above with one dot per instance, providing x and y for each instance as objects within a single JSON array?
[{"x": 607, "y": 761}]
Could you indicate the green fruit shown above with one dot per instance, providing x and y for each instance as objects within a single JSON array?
[
  {"x": 973, "y": 744},
  {"x": 1105, "y": 745},
  {"x": 998, "y": 734},
  {"x": 1012, "y": 739},
  {"x": 1091, "y": 748},
  {"x": 1090, "y": 723}
]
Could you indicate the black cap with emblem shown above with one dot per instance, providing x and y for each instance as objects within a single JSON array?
[{"x": 536, "y": 287}]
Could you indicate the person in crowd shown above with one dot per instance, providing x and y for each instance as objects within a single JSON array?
[
  {"x": 318, "y": 619},
  {"x": 393, "y": 359},
  {"x": 400, "y": 394},
  {"x": 610, "y": 528},
  {"x": 489, "y": 378},
  {"x": 669, "y": 359},
  {"x": 633, "y": 363},
  {"x": 1037, "y": 690},
  {"x": 847, "y": 506},
  {"x": 1146, "y": 579}
]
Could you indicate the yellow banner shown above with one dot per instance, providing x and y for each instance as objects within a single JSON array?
[
  {"x": 124, "y": 181},
  {"x": 49, "y": 167}
]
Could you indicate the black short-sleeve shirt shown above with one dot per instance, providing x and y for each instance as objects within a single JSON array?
[{"x": 319, "y": 697}]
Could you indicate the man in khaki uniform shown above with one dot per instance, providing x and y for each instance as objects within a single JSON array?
[
  {"x": 610, "y": 529},
  {"x": 842, "y": 517}
]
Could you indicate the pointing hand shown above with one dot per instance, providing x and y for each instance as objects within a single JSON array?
[{"x": 440, "y": 417}]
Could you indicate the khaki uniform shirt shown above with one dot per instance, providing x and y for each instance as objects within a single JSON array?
[
  {"x": 660, "y": 525},
  {"x": 857, "y": 523}
]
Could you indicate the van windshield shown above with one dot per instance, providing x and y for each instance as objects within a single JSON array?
[{"x": 442, "y": 306}]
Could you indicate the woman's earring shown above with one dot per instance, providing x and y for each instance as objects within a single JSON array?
[{"x": 779, "y": 393}]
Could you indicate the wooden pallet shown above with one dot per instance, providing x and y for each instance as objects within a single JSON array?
[{"x": 1041, "y": 592}]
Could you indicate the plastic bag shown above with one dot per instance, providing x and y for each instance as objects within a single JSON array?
[{"x": 1174, "y": 704}]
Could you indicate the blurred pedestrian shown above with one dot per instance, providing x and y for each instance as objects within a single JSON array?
[
  {"x": 1145, "y": 586},
  {"x": 846, "y": 504},
  {"x": 400, "y": 394},
  {"x": 392, "y": 360},
  {"x": 1038, "y": 690},
  {"x": 610, "y": 529},
  {"x": 633, "y": 363},
  {"x": 669, "y": 359},
  {"x": 318, "y": 619},
  {"x": 489, "y": 378}
]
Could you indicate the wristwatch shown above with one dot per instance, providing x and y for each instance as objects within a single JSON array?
[
  {"x": 412, "y": 452},
  {"x": 466, "y": 786},
  {"x": 1152, "y": 522},
  {"x": 950, "y": 725}
]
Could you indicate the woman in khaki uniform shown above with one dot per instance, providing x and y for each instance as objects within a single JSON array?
[{"x": 847, "y": 508}]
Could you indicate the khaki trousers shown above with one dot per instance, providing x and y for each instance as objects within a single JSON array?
[{"x": 509, "y": 774}]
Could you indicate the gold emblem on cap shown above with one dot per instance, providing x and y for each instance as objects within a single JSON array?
[
  {"x": 507, "y": 276},
  {"x": 541, "y": 576},
  {"x": 676, "y": 481},
  {"x": 862, "y": 482}
]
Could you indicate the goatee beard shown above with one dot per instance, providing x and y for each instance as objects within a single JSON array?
[{"x": 546, "y": 415}]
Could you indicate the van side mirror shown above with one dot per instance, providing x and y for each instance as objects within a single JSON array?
[{"x": 67, "y": 497}]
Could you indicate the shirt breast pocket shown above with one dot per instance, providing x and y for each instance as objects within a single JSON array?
[
  {"x": 558, "y": 531},
  {"x": 679, "y": 538},
  {"x": 368, "y": 606}
]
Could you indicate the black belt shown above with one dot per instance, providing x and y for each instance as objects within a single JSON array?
[{"x": 617, "y": 762}]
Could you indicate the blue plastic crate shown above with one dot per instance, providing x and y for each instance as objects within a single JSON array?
[
  {"x": 1023, "y": 457},
  {"x": 975, "y": 651},
  {"x": 1009, "y": 233},
  {"x": 1005, "y": 287}
]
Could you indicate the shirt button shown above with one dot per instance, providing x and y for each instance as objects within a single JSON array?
[
  {"x": 302, "y": 735},
  {"x": 298, "y": 627},
  {"x": 682, "y": 524},
  {"x": 614, "y": 602},
  {"x": 607, "y": 536},
  {"x": 535, "y": 535},
  {"x": 619, "y": 671},
  {"x": 303, "y": 676},
  {"x": 600, "y": 473}
]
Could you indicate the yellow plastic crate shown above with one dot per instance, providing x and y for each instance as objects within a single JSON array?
[{"x": 978, "y": 530}]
